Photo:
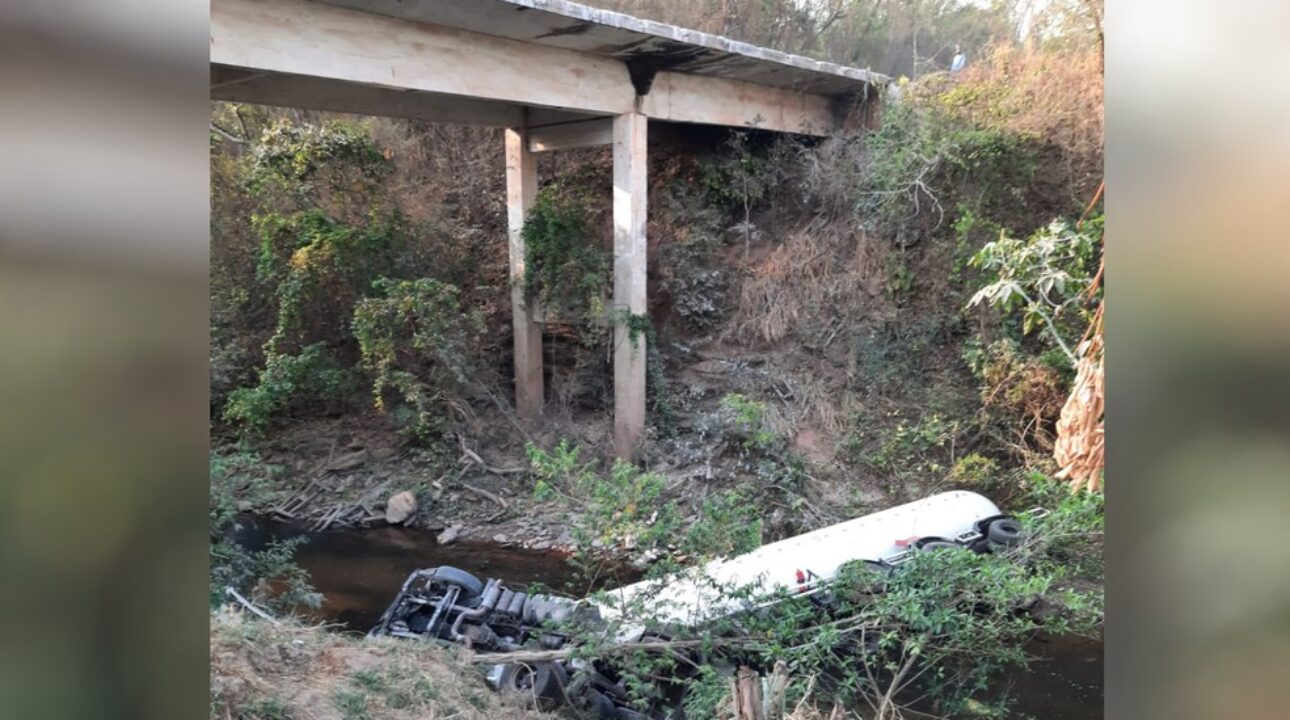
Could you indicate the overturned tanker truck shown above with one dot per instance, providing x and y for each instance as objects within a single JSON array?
[{"x": 451, "y": 606}]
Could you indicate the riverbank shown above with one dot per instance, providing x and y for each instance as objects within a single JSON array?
[{"x": 293, "y": 670}]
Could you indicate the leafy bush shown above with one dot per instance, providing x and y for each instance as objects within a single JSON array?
[
  {"x": 563, "y": 269},
  {"x": 415, "y": 342},
  {"x": 327, "y": 232},
  {"x": 625, "y": 507},
  {"x": 746, "y": 420},
  {"x": 918, "y": 448},
  {"x": 287, "y": 380},
  {"x": 305, "y": 160},
  {"x": 1020, "y": 394},
  {"x": 1043, "y": 279},
  {"x": 973, "y": 470},
  {"x": 691, "y": 273},
  {"x": 735, "y": 178},
  {"x": 622, "y": 507}
]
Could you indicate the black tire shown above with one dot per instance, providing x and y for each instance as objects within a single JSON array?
[
  {"x": 470, "y": 585},
  {"x": 878, "y": 567},
  {"x": 1004, "y": 531},
  {"x": 602, "y": 706},
  {"x": 541, "y": 684},
  {"x": 936, "y": 543},
  {"x": 532, "y": 612},
  {"x": 604, "y": 684}
]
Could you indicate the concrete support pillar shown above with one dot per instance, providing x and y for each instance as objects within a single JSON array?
[
  {"x": 629, "y": 135},
  {"x": 521, "y": 191}
]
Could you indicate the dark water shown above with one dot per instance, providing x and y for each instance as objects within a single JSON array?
[
  {"x": 1064, "y": 682},
  {"x": 358, "y": 572}
]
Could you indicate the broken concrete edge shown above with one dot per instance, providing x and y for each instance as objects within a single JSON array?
[{"x": 630, "y": 23}]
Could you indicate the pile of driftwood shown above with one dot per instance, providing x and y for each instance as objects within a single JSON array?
[
  {"x": 328, "y": 477},
  {"x": 326, "y": 480}
]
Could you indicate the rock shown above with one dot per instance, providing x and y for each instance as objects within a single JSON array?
[
  {"x": 541, "y": 545},
  {"x": 710, "y": 367},
  {"x": 400, "y": 507},
  {"x": 448, "y": 536},
  {"x": 500, "y": 539},
  {"x": 347, "y": 462}
]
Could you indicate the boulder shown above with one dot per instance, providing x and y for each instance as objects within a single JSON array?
[
  {"x": 449, "y": 535},
  {"x": 400, "y": 507}
]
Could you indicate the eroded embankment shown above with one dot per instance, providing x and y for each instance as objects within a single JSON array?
[{"x": 292, "y": 670}]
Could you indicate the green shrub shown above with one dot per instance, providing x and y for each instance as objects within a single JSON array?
[
  {"x": 746, "y": 419},
  {"x": 313, "y": 375},
  {"x": 317, "y": 199},
  {"x": 563, "y": 268},
  {"x": 304, "y": 160},
  {"x": 622, "y": 507},
  {"x": 918, "y": 447},
  {"x": 736, "y": 178},
  {"x": 625, "y": 507},
  {"x": 728, "y": 524},
  {"x": 1041, "y": 280},
  {"x": 973, "y": 470},
  {"x": 415, "y": 341},
  {"x": 240, "y": 480}
]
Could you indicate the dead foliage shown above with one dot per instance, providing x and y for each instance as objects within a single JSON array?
[
  {"x": 1080, "y": 449},
  {"x": 1057, "y": 96},
  {"x": 292, "y": 670},
  {"x": 1029, "y": 393},
  {"x": 808, "y": 287}
]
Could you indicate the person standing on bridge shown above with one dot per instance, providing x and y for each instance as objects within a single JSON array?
[{"x": 959, "y": 60}]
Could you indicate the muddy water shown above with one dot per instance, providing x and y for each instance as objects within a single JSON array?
[
  {"x": 1064, "y": 682},
  {"x": 358, "y": 572}
]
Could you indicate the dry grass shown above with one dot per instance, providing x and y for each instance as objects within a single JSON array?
[
  {"x": 294, "y": 671},
  {"x": 819, "y": 276},
  {"x": 1057, "y": 96}
]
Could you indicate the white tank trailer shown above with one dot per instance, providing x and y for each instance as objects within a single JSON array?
[
  {"x": 807, "y": 563},
  {"x": 451, "y": 606}
]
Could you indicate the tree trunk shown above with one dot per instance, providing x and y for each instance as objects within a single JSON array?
[{"x": 747, "y": 695}]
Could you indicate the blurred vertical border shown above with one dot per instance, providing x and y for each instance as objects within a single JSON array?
[
  {"x": 1198, "y": 359},
  {"x": 103, "y": 359}
]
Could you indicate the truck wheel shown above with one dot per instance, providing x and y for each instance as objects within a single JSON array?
[
  {"x": 1004, "y": 531},
  {"x": 541, "y": 684},
  {"x": 602, "y": 706},
  {"x": 469, "y": 584},
  {"x": 936, "y": 543}
]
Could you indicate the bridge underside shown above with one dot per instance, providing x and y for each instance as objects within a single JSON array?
[{"x": 524, "y": 71}]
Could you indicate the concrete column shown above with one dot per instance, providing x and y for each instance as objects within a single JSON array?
[
  {"x": 521, "y": 191},
  {"x": 629, "y": 135}
]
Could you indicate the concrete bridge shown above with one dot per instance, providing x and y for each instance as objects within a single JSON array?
[{"x": 556, "y": 75}]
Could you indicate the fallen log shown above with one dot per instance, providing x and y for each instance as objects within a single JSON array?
[{"x": 535, "y": 656}]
